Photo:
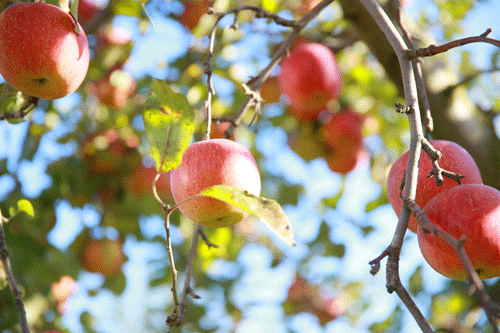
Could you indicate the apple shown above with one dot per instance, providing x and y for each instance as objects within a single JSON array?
[
  {"x": 218, "y": 131},
  {"x": 305, "y": 6},
  {"x": 305, "y": 143},
  {"x": 455, "y": 159},
  {"x": 103, "y": 256},
  {"x": 104, "y": 152},
  {"x": 62, "y": 290},
  {"x": 305, "y": 297},
  {"x": 208, "y": 163},
  {"x": 111, "y": 35},
  {"x": 310, "y": 78},
  {"x": 88, "y": 10},
  {"x": 345, "y": 160},
  {"x": 193, "y": 11},
  {"x": 42, "y": 55},
  {"x": 114, "y": 89},
  {"x": 470, "y": 210},
  {"x": 342, "y": 137},
  {"x": 141, "y": 182},
  {"x": 270, "y": 91},
  {"x": 344, "y": 128}
]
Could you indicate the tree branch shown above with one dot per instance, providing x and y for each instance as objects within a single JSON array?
[
  {"x": 433, "y": 49},
  {"x": 16, "y": 293}
]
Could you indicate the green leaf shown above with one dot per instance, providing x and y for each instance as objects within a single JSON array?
[
  {"x": 267, "y": 210},
  {"x": 169, "y": 127},
  {"x": 24, "y": 205},
  {"x": 73, "y": 11}
]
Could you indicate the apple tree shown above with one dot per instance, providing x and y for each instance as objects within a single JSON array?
[{"x": 249, "y": 166}]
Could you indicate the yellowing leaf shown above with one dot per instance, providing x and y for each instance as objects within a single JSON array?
[
  {"x": 169, "y": 127},
  {"x": 267, "y": 210}
]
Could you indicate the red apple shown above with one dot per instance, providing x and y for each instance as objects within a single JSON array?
[
  {"x": 208, "y": 163},
  {"x": 111, "y": 35},
  {"x": 455, "y": 159},
  {"x": 345, "y": 160},
  {"x": 305, "y": 297},
  {"x": 88, "y": 10},
  {"x": 344, "y": 128},
  {"x": 193, "y": 11},
  {"x": 114, "y": 89},
  {"x": 142, "y": 182},
  {"x": 218, "y": 131},
  {"x": 305, "y": 6},
  {"x": 473, "y": 211},
  {"x": 270, "y": 91},
  {"x": 42, "y": 55},
  {"x": 310, "y": 78},
  {"x": 103, "y": 256}
]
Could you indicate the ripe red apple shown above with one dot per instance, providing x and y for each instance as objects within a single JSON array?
[
  {"x": 42, "y": 55},
  {"x": 310, "y": 78},
  {"x": 343, "y": 128},
  {"x": 473, "y": 211},
  {"x": 455, "y": 159},
  {"x": 342, "y": 137},
  {"x": 270, "y": 91},
  {"x": 305, "y": 297},
  {"x": 208, "y": 163},
  {"x": 142, "y": 181},
  {"x": 103, "y": 256},
  {"x": 305, "y": 6},
  {"x": 193, "y": 11},
  {"x": 218, "y": 131},
  {"x": 114, "y": 89},
  {"x": 88, "y": 10}
]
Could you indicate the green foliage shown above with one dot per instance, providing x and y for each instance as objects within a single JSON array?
[
  {"x": 170, "y": 127},
  {"x": 267, "y": 210}
]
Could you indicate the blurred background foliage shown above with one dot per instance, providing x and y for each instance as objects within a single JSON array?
[{"x": 93, "y": 259}]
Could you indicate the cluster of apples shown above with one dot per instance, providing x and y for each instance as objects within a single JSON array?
[
  {"x": 470, "y": 210},
  {"x": 42, "y": 54},
  {"x": 311, "y": 79}
]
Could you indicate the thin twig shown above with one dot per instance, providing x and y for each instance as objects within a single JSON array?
[
  {"x": 434, "y": 49},
  {"x": 28, "y": 105},
  {"x": 175, "y": 313},
  {"x": 175, "y": 319},
  {"x": 16, "y": 293}
]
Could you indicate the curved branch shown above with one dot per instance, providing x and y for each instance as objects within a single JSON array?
[{"x": 433, "y": 49}]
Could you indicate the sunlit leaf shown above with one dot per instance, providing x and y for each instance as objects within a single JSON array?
[
  {"x": 267, "y": 210},
  {"x": 24, "y": 205},
  {"x": 169, "y": 128}
]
